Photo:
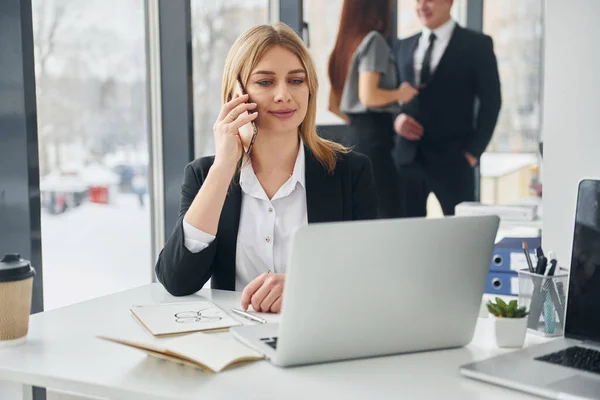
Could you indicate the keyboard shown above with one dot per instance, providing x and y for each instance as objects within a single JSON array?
[
  {"x": 575, "y": 357},
  {"x": 271, "y": 341}
]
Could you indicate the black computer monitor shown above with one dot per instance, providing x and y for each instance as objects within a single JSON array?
[{"x": 583, "y": 304}]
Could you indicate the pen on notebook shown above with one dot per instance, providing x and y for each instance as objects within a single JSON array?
[
  {"x": 249, "y": 316},
  {"x": 528, "y": 257}
]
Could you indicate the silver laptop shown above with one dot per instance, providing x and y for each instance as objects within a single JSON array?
[
  {"x": 373, "y": 288},
  {"x": 569, "y": 367}
]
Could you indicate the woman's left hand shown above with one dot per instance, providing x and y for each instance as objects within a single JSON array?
[{"x": 265, "y": 293}]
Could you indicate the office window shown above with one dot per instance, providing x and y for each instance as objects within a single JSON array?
[
  {"x": 215, "y": 26},
  {"x": 510, "y": 166},
  {"x": 516, "y": 27},
  {"x": 90, "y": 67},
  {"x": 323, "y": 18}
]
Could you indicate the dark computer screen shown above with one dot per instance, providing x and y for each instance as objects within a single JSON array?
[{"x": 583, "y": 304}]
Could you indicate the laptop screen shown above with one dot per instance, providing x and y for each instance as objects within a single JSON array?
[{"x": 583, "y": 304}]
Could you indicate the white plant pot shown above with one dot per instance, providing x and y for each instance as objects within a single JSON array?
[{"x": 510, "y": 332}]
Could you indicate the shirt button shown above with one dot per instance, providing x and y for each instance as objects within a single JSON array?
[
  {"x": 268, "y": 239},
  {"x": 270, "y": 209}
]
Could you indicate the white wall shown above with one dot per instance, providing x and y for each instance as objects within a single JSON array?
[{"x": 571, "y": 123}]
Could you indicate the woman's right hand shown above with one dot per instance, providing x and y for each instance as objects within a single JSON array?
[
  {"x": 228, "y": 144},
  {"x": 406, "y": 92}
]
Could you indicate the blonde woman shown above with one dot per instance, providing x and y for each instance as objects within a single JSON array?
[{"x": 239, "y": 210}]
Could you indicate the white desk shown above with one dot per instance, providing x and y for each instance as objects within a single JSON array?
[{"x": 62, "y": 353}]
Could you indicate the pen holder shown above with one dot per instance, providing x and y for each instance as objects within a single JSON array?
[{"x": 544, "y": 296}]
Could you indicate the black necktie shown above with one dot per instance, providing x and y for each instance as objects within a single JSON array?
[{"x": 426, "y": 67}]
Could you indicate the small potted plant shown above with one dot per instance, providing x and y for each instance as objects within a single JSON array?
[{"x": 510, "y": 322}]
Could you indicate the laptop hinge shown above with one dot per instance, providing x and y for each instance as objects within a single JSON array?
[{"x": 591, "y": 343}]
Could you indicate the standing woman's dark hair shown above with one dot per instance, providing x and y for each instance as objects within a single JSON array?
[
  {"x": 365, "y": 93},
  {"x": 358, "y": 18}
]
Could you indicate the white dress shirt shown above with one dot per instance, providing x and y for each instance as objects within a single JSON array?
[
  {"x": 443, "y": 34},
  {"x": 266, "y": 226}
]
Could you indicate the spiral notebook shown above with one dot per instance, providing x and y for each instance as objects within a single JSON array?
[{"x": 174, "y": 318}]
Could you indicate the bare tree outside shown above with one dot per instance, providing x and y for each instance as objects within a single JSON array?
[
  {"x": 215, "y": 26},
  {"x": 87, "y": 95},
  {"x": 50, "y": 22}
]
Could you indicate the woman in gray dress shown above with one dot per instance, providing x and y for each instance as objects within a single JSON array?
[{"x": 365, "y": 92}]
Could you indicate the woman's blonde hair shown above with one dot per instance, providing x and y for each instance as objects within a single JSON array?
[{"x": 242, "y": 59}]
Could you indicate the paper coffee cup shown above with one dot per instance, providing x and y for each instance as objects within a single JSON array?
[{"x": 16, "y": 283}]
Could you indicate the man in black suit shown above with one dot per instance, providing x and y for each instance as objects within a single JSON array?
[{"x": 444, "y": 130}]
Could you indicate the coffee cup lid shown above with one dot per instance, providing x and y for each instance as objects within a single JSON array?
[{"x": 14, "y": 268}]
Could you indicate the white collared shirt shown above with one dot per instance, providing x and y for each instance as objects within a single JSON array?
[
  {"x": 443, "y": 34},
  {"x": 266, "y": 226}
]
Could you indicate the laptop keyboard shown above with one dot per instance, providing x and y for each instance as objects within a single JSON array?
[
  {"x": 271, "y": 341},
  {"x": 575, "y": 357}
]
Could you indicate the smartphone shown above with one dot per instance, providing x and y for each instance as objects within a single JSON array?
[{"x": 247, "y": 132}]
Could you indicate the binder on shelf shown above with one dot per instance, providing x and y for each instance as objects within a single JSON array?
[{"x": 508, "y": 255}]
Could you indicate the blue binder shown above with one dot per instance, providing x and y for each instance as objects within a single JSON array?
[
  {"x": 508, "y": 254},
  {"x": 507, "y": 259},
  {"x": 502, "y": 283}
]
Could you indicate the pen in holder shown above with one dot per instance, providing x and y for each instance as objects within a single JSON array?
[{"x": 545, "y": 298}]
